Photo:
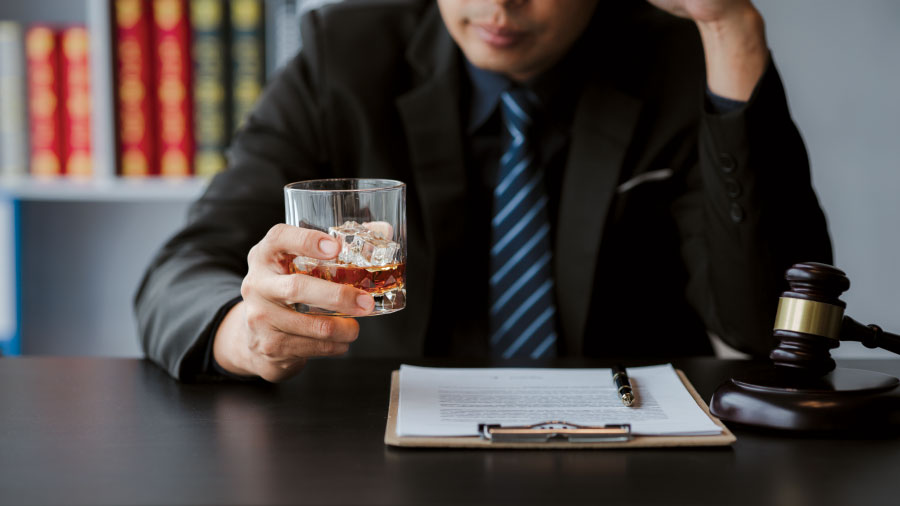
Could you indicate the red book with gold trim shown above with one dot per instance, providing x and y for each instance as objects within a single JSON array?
[
  {"x": 75, "y": 94},
  {"x": 171, "y": 34},
  {"x": 135, "y": 88},
  {"x": 42, "y": 61}
]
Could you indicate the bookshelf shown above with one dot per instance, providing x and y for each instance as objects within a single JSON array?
[
  {"x": 73, "y": 250},
  {"x": 121, "y": 190}
]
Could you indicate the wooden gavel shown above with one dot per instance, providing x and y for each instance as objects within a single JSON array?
[
  {"x": 811, "y": 321},
  {"x": 803, "y": 390}
]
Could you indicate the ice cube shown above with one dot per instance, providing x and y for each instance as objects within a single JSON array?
[{"x": 364, "y": 247}]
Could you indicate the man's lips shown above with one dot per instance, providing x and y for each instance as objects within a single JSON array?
[{"x": 498, "y": 36}]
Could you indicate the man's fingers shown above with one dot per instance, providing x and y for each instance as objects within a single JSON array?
[
  {"x": 281, "y": 319},
  {"x": 276, "y": 372},
  {"x": 300, "y": 288},
  {"x": 276, "y": 346},
  {"x": 291, "y": 240}
]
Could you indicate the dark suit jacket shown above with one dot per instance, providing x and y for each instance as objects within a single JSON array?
[{"x": 672, "y": 220}]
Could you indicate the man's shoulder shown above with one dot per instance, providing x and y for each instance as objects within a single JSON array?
[
  {"x": 652, "y": 31},
  {"x": 336, "y": 19},
  {"x": 360, "y": 39},
  {"x": 333, "y": 6},
  {"x": 649, "y": 50}
]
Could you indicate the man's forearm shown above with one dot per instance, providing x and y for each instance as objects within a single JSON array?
[{"x": 736, "y": 52}]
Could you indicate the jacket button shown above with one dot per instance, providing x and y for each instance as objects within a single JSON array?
[
  {"x": 737, "y": 212},
  {"x": 732, "y": 188},
  {"x": 727, "y": 163}
]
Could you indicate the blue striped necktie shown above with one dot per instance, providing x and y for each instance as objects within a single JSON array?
[{"x": 523, "y": 312}]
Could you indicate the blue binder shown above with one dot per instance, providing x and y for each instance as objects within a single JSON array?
[{"x": 10, "y": 282}]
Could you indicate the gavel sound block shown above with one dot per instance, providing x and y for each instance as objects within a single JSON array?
[{"x": 803, "y": 390}]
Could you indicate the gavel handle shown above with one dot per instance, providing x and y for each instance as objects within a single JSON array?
[{"x": 871, "y": 336}]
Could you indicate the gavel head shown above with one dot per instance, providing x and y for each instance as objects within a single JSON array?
[{"x": 808, "y": 321}]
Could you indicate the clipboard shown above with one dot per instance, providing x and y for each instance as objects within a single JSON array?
[{"x": 391, "y": 438}]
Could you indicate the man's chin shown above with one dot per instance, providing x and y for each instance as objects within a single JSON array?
[{"x": 499, "y": 66}]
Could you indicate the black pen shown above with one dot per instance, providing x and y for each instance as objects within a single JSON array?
[{"x": 623, "y": 386}]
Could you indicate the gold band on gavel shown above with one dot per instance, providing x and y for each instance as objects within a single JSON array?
[{"x": 809, "y": 317}]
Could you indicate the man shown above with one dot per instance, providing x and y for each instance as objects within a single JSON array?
[{"x": 659, "y": 189}]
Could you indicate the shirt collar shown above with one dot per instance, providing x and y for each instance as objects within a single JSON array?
[
  {"x": 486, "y": 88},
  {"x": 556, "y": 89}
]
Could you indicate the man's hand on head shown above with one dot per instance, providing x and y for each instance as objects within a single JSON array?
[
  {"x": 734, "y": 42},
  {"x": 705, "y": 11},
  {"x": 263, "y": 335}
]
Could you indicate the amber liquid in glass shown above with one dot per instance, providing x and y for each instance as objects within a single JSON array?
[{"x": 375, "y": 280}]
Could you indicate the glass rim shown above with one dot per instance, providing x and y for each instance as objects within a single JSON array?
[{"x": 383, "y": 184}]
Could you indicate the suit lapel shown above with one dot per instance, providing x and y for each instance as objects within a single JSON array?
[
  {"x": 602, "y": 129},
  {"x": 431, "y": 120}
]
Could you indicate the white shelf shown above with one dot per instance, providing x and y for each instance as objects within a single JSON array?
[{"x": 102, "y": 190}]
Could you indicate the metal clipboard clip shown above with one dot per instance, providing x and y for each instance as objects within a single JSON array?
[{"x": 555, "y": 430}]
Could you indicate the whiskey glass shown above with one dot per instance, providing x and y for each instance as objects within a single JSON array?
[{"x": 368, "y": 217}]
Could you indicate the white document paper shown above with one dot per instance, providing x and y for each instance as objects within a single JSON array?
[{"x": 452, "y": 402}]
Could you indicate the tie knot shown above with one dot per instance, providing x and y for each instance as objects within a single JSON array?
[{"x": 519, "y": 106}]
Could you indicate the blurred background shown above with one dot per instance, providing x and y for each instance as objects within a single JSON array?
[{"x": 72, "y": 250}]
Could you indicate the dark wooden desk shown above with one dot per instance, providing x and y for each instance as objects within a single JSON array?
[{"x": 115, "y": 431}]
